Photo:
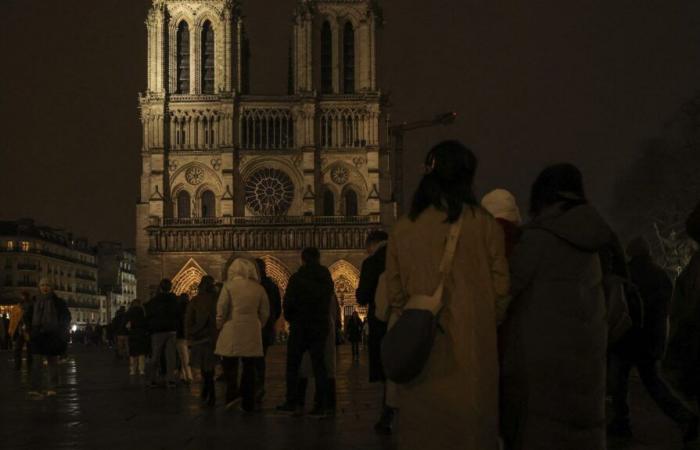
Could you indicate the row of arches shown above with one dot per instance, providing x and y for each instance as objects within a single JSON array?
[
  {"x": 349, "y": 204},
  {"x": 183, "y": 54},
  {"x": 205, "y": 203}
]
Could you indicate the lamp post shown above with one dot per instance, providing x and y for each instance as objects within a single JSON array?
[{"x": 396, "y": 133}]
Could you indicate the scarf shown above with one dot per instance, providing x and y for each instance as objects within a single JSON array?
[{"x": 45, "y": 317}]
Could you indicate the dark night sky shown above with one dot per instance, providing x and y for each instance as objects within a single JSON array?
[{"x": 533, "y": 82}]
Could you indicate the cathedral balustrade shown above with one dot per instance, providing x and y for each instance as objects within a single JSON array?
[
  {"x": 264, "y": 220},
  {"x": 242, "y": 235}
]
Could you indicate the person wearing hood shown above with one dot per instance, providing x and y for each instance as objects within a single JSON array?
[
  {"x": 306, "y": 308},
  {"x": 682, "y": 360},
  {"x": 504, "y": 208},
  {"x": 555, "y": 341},
  {"x": 139, "y": 340},
  {"x": 48, "y": 320},
  {"x": 643, "y": 346},
  {"x": 241, "y": 312},
  {"x": 201, "y": 333},
  {"x": 162, "y": 317}
]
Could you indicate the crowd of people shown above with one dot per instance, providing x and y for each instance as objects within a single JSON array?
[{"x": 527, "y": 347}]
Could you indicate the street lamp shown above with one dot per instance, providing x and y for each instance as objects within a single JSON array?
[{"x": 396, "y": 134}]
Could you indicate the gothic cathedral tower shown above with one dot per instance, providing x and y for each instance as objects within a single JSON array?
[{"x": 227, "y": 174}]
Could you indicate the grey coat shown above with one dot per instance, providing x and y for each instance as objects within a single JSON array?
[{"x": 555, "y": 335}]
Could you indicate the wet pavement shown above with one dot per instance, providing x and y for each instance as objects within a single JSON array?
[{"x": 99, "y": 406}]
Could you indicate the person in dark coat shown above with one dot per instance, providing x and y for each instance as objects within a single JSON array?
[
  {"x": 201, "y": 332},
  {"x": 139, "y": 340},
  {"x": 162, "y": 318},
  {"x": 555, "y": 344},
  {"x": 48, "y": 320},
  {"x": 682, "y": 360},
  {"x": 268, "y": 331},
  {"x": 643, "y": 346},
  {"x": 306, "y": 308},
  {"x": 354, "y": 333},
  {"x": 372, "y": 268},
  {"x": 19, "y": 331},
  {"x": 120, "y": 331}
]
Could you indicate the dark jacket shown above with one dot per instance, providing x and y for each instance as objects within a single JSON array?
[
  {"x": 162, "y": 313},
  {"x": 683, "y": 352},
  {"x": 139, "y": 339},
  {"x": 119, "y": 323},
  {"x": 200, "y": 318},
  {"x": 555, "y": 339},
  {"x": 354, "y": 329},
  {"x": 372, "y": 268},
  {"x": 273, "y": 296},
  {"x": 655, "y": 289},
  {"x": 308, "y": 296},
  {"x": 52, "y": 342}
]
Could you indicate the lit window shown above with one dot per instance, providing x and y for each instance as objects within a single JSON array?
[
  {"x": 10, "y": 245},
  {"x": 25, "y": 246}
]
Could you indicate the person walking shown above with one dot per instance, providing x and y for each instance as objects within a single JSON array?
[
  {"x": 643, "y": 346},
  {"x": 241, "y": 312},
  {"x": 682, "y": 360},
  {"x": 162, "y": 317},
  {"x": 183, "y": 351},
  {"x": 201, "y": 332},
  {"x": 306, "y": 308},
  {"x": 48, "y": 320},
  {"x": 19, "y": 331},
  {"x": 139, "y": 340},
  {"x": 268, "y": 331},
  {"x": 370, "y": 272},
  {"x": 354, "y": 333},
  {"x": 554, "y": 351},
  {"x": 453, "y": 403}
]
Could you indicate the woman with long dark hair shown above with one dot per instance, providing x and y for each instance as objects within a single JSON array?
[
  {"x": 453, "y": 404},
  {"x": 555, "y": 334}
]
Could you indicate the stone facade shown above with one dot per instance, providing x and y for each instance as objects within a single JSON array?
[
  {"x": 227, "y": 174},
  {"x": 32, "y": 252}
]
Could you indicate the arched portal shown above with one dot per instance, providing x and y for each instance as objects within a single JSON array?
[
  {"x": 346, "y": 278},
  {"x": 188, "y": 278}
]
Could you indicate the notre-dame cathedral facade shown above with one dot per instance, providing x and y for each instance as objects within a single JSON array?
[{"x": 226, "y": 173}]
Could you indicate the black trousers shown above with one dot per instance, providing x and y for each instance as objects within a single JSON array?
[
  {"x": 355, "y": 348},
  {"x": 618, "y": 384},
  {"x": 261, "y": 366},
  {"x": 247, "y": 389},
  {"x": 313, "y": 340}
]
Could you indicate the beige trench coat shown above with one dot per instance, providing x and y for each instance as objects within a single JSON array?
[
  {"x": 453, "y": 404},
  {"x": 242, "y": 309}
]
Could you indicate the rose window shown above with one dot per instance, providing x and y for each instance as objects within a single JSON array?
[
  {"x": 269, "y": 192},
  {"x": 340, "y": 175},
  {"x": 194, "y": 175}
]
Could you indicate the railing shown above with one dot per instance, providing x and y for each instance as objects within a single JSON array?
[
  {"x": 85, "y": 276},
  {"x": 48, "y": 253},
  {"x": 26, "y": 284},
  {"x": 86, "y": 291},
  {"x": 263, "y": 220},
  {"x": 27, "y": 266},
  {"x": 260, "y": 236}
]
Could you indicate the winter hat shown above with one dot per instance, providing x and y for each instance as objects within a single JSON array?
[
  {"x": 502, "y": 205},
  {"x": 638, "y": 247}
]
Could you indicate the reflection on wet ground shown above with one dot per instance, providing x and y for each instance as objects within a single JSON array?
[{"x": 99, "y": 406}]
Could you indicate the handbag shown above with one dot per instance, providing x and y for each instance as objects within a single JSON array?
[{"x": 408, "y": 343}]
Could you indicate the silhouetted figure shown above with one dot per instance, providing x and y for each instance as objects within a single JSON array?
[
  {"x": 183, "y": 352},
  {"x": 354, "y": 332},
  {"x": 241, "y": 311},
  {"x": 201, "y": 332},
  {"x": 555, "y": 340},
  {"x": 682, "y": 360},
  {"x": 162, "y": 316},
  {"x": 268, "y": 331},
  {"x": 120, "y": 331},
  {"x": 306, "y": 305},
  {"x": 139, "y": 339},
  {"x": 453, "y": 403},
  {"x": 643, "y": 345},
  {"x": 48, "y": 320},
  {"x": 19, "y": 331}
]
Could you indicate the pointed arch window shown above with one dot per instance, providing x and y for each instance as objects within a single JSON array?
[
  {"x": 349, "y": 59},
  {"x": 183, "y": 58},
  {"x": 351, "y": 208},
  {"x": 328, "y": 203},
  {"x": 208, "y": 204},
  {"x": 326, "y": 58},
  {"x": 208, "y": 55},
  {"x": 183, "y": 205}
]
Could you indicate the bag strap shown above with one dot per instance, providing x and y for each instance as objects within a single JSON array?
[{"x": 448, "y": 256}]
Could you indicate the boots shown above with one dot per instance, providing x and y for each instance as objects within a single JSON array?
[
  {"x": 204, "y": 395},
  {"x": 301, "y": 391},
  {"x": 208, "y": 394},
  {"x": 384, "y": 426}
]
